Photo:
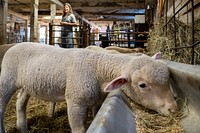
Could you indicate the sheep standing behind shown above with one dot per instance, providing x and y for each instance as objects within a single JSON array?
[
  {"x": 82, "y": 78},
  {"x": 100, "y": 49},
  {"x": 126, "y": 50},
  {"x": 114, "y": 50}
]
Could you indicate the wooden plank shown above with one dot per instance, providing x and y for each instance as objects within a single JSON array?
[
  {"x": 57, "y": 2},
  {"x": 53, "y": 12},
  {"x": 3, "y": 21},
  {"x": 110, "y": 14},
  {"x": 34, "y": 21},
  {"x": 17, "y": 15}
]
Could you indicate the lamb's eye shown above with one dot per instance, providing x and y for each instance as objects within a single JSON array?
[{"x": 142, "y": 85}]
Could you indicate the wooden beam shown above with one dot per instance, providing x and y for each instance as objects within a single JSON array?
[
  {"x": 25, "y": 7},
  {"x": 123, "y": 5},
  {"x": 3, "y": 21},
  {"x": 18, "y": 15},
  {"x": 57, "y": 2},
  {"x": 24, "y": 17},
  {"x": 26, "y": 30},
  {"x": 110, "y": 14},
  {"x": 34, "y": 21},
  {"x": 161, "y": 7},
  {"x": 110, "y": 19},
  {"x": 53, "y": 12}
]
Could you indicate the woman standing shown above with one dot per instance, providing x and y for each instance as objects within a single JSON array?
[{"x": 67, "y": 22}]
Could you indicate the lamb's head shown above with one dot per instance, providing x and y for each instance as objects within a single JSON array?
[{"x": 148, "y": 86}]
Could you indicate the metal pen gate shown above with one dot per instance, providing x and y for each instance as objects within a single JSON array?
[{"x": 194, "y": 43}]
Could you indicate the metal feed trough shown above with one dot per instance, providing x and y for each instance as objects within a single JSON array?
[{"x": 115, "y": 116}]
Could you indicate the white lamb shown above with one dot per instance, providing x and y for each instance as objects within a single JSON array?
[
  {"x": 82, "y": 78},
  {"x": 125, "y": 50},
  {"x": 100, "y": 49},
  {"x": 117, "y": 50}
]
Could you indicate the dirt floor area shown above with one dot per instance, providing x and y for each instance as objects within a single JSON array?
[
  {"x": 38, "y": 120},
  {"x": 147, "y": 121}
]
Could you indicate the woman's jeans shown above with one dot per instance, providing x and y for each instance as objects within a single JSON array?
[{"x": 67, "y": 40}]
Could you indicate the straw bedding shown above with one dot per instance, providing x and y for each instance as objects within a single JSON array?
[
  {"x": 38, "y": 121},
  {"x": 147, "y": 121}
]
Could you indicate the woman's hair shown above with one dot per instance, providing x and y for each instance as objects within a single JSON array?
[{"x": 70, "y": 9}]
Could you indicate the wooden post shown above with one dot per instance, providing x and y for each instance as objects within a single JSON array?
[
  {"x": 161, "y": 7},
  {"x": 11, "y": 33},
  {"x": 53, "y": 16},
  {"x": 26, "y": 30},
  {"x": 46, "y": 35},
  {"x": 38, "y": 32},
  {"x": 50, "y": 34},
  {"x": 3, "y": 21},
  {"x": 34, "y": 21},
  {"x": 53, "y": 12}
]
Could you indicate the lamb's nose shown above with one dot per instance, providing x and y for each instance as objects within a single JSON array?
[{"x": 173, "y": 108}]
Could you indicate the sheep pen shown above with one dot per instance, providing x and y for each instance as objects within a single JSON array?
[{"x": 38, "y": 120}]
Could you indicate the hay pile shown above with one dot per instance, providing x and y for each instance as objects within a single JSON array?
[
  {"x": 148, "y": 121},
  {"x": 160, "y": 41}
]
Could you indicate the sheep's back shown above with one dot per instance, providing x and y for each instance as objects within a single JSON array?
[{"x": 41, "y": 69}]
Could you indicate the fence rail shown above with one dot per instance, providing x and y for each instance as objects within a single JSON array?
[{"x": 83, "y": 37}]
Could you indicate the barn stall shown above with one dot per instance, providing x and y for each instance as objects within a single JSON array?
[{"x": 187, "y": 35}]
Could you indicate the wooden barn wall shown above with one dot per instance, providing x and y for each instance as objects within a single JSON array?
[{"x": 185, "y": 14}]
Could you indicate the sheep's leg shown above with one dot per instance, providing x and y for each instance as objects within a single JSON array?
[
  {"x": 22, "y": 100},
  {"x": 77, "y": 115},
  {"x": 7, "y": 89},
  {"x": 52, "y": 109},
  {"x": 2, "y": 111}
]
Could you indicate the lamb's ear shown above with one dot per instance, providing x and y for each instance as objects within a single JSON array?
[
  {"x": 157, "y": 56},
  {"x": 116, "y": 83}
]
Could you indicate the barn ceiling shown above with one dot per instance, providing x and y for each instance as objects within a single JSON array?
[{"x": 91, "y": 10}]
